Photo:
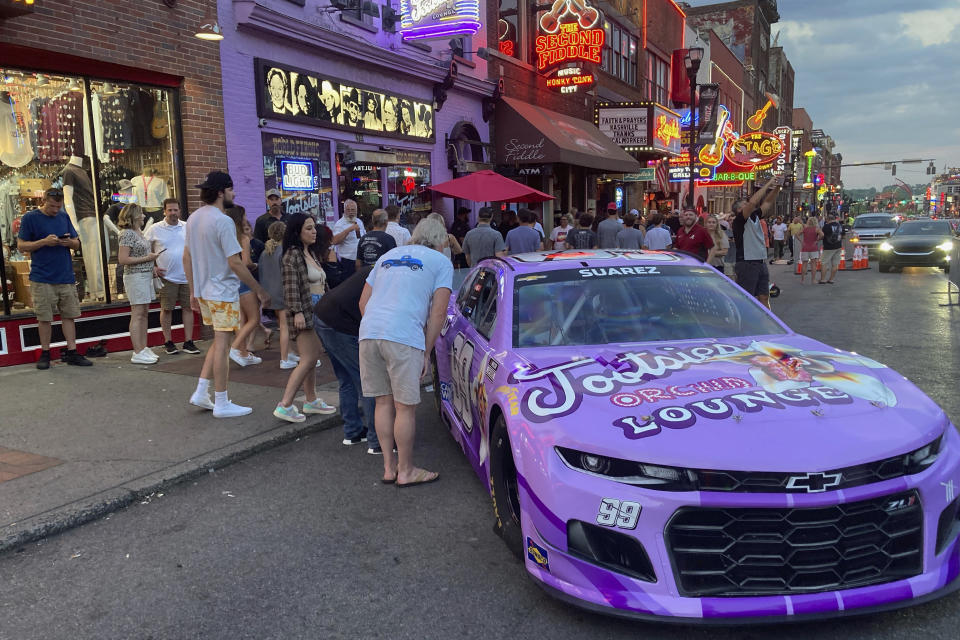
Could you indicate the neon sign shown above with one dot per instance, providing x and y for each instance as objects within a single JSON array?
[
  {"x": 435, "y": 19},
  {"x": 571, "y": 44},
  {"x": 297, "y": 175},
  {"x": 755, "y": 148},
  {"x": 568, "y": 80},
  {"x": 668, "y": 128},
  {"x": 507, "y": 47}
]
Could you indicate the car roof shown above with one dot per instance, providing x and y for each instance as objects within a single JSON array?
[{"x": 574, "y": 258}]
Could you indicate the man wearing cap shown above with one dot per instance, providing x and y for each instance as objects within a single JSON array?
[
  {"x": 608, "y": 229},
  {"x": 214, "y": 270},
  {"x": 48, "y": 235},
  {"x": 273, "y": 214}
]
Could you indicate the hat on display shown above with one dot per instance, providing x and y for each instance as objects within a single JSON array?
[
  {"x": 274, "y": 192},
  {"x": 612, "y": 206},
  {"x": 126, "y": 184},
  {"x": 217, "y": 180}
]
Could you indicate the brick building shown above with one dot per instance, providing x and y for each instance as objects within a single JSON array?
[
  {"x": 124, "y": 93},
  {"x": 744, "y": 25},
  {"x": 327, "y": 104}
]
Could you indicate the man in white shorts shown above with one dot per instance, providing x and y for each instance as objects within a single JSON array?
[{"x": 404, "y": 303}]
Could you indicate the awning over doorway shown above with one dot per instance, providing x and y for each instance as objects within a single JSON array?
[{"x": 528, "y": 134}]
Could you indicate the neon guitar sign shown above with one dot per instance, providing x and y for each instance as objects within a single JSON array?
[{"x": 756, "y": 120}]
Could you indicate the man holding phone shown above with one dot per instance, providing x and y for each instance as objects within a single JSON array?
[{"x": 47, "y": 234}]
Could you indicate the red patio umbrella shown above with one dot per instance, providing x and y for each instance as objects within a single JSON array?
[{"x": 489, "y": 186}]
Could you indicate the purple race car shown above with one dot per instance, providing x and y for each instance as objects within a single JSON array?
[{"x": 658, "y": 444}]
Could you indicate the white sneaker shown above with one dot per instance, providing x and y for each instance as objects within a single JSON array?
[
  {"x": 288, "y": 364},
  {"x": 237, "y": 357},
  {"x": 143, "y": 358},
  {"x": 252, "y": 359},
  {"x": 201, "y": 400},
  {"x": 230, "y": 410},
  {"x": 150, "y": 354},
  {"x": 293, "y": 357}
]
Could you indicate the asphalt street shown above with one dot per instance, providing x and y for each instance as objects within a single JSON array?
[{"x": 304, "y": 542}]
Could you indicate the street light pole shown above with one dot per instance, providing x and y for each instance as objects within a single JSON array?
[{"x": 692, "y": 63}]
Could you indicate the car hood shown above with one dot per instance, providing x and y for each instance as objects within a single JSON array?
[
  {"x": 780, "y": 403},
  {"x": 918, "y": 241}
]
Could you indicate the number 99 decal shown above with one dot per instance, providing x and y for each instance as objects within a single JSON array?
[{"x": 614, "y": 513}]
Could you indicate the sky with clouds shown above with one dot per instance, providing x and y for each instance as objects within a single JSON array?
[{"x": 880, "y": 76}]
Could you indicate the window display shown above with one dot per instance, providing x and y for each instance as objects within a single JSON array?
[
  {"x": 300, "y": 169},
  {"x": 407, "y": 185},
  {"x": 103, "y": 144}
]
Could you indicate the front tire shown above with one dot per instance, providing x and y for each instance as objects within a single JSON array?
[
  {"x": 504, "y": 489},
  {"x": 884, "y": 268},
  {"x": 435, "y": 372}
]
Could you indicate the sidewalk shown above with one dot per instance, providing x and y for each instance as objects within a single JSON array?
[{"x": 77, "y": 443}]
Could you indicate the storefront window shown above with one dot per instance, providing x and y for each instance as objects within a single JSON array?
[
  {"x": 361, "y": 182},
  {"x": 300, "y": 169},
  {"x": 407, "y": 187},
  {"x": 508, "y": 29},
  {"x": 105, "y": 144}
]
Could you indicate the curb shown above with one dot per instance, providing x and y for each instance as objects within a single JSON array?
[{"x": 94, "y": 507}]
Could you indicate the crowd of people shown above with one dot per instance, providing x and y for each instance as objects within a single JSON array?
[{"x": 373, "y": 300}]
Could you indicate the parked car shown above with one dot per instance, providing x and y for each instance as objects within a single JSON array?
[
  {"x": 918, "y": 243},
  {"x": 656, "y": 443},
  {"x": 870, "y": 229}
]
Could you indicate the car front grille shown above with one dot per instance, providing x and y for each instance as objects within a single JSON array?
[
  {"x": 779, "y": 482},
  {"x": 760, "y": 551}
]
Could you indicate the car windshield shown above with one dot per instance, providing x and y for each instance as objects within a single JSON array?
[
  {"x": 605, "y": 305},
  {"x": 925, "y": 228},
  {"x": 874, "y": 222}
]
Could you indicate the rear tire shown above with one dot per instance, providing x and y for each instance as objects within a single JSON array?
[
  {"x": 884, "y": 268},
  {"x": 504, "y": 489}
]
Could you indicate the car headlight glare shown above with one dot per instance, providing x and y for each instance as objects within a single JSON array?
[
  {"x": 885, "y": 246},
  {"x": 629, "y": 472},
  {"x": 946, "y": 246}
]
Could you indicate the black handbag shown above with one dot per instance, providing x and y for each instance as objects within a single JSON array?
[{"x": 334, "y": 273}]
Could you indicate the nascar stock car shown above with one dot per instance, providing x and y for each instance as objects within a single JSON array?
[{"x": 658, "y": 444}]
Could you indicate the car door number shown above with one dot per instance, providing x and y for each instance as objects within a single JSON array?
[
  {"x": 461, "y": 359},
  {"x": 620, "y": 514}
]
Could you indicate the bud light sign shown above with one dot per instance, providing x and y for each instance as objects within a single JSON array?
[{"x": 297, "y": 175}]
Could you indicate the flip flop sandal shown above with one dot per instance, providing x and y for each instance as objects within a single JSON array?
[
  {"x": 385, "y": 481},
  {"x": 422, "y": 478}
]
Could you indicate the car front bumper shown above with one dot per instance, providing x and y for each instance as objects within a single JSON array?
[
  {"x": 549, "y": 504},
  {"x": 935, "y": 258}
]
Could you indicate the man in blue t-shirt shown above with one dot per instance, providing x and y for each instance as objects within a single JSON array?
[
  {"x": 47, "y": 234},
  {"x": 524, "y": 238},
  {"x": 404, "y": 303}
]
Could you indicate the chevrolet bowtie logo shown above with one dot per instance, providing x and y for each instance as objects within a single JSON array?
[{"x": 814, "y": 482}]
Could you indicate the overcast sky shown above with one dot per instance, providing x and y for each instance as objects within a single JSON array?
[{"x": 882, "y": 77}]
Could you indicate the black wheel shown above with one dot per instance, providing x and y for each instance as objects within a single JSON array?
[
  {"x": 946, "y": 268},
  {"x": 884, "y": 268},
  {"x": 437, "y": 399},
  {"x": 504, "y": 489}
]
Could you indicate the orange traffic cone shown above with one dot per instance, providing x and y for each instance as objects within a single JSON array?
[
  {"x": 866, "y": 258},
  {"x": 799, "y": 267},
  {"x": 843, "y": 259},
  {"x": 856, "y": 257}
]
